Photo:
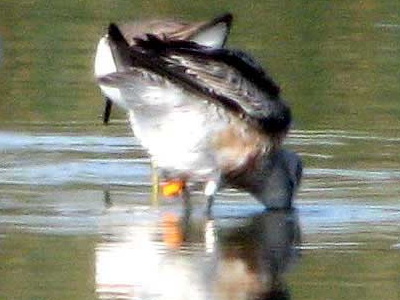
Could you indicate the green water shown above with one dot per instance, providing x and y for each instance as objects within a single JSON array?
[
  {"x": 337, "y": 61},
  {"x": 74, "y": 195}
]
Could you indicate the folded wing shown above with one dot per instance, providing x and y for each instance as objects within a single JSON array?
[{"x": 230, "y": 78}]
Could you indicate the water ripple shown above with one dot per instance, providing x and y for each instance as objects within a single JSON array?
[{"x": 10, "y": 141}]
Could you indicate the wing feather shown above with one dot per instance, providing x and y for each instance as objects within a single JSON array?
[{"x": 230, "y": 78}]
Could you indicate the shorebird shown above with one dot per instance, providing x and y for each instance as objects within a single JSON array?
[
  {"x": 211, "y": 33},
  {"x": 205, "y": 114}
]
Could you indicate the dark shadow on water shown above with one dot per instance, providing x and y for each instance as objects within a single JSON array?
[
  {"x": 107, "y": 198},
  {"x": 191, "y": 256}
]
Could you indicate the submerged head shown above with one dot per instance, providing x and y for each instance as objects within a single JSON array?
[
  {"x": 272, "y": 178},
  {"x": 282, "y": 177}
]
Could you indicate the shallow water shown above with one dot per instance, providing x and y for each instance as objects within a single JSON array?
[
  {"x": 76, "y": 219},
  {"x": 77, "y": 222}
]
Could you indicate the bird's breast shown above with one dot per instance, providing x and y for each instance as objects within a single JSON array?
[{"x": 237, "y": 144}]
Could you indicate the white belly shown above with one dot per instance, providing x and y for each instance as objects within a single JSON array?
[{"x": 177, "y": 129}]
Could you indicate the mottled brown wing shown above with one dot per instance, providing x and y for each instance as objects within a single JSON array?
[
  {"x": 216, "y": 72},
  {"x": 231, "y": 78}
]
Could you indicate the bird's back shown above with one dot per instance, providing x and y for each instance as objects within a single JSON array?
[{"x": 199, "y": 111}]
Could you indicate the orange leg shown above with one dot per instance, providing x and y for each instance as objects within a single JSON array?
[
  {"x": 155, "y": 184},
  {"x": 173, "y": 188}
]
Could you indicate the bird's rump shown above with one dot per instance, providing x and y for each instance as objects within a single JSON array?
[{"x": 229, "y": 78}]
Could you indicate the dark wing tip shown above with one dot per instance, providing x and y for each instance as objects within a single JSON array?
[
  {"x": 225, "y": 18},
  {"x": 155, "y": 44},
  {"x": 115, "y": 34},
  {"x": 278, "y": 120},
  {"x": 150, "y": 41}
]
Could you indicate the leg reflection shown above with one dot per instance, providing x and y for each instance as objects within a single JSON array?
[
  {"x": 107, "y": 198},
  {"x": 171, "y": 253}
]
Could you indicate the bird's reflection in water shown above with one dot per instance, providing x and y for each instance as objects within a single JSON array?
[
  {"x": 254, "y": 255},
  {"x": 194, "y": 257}
]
